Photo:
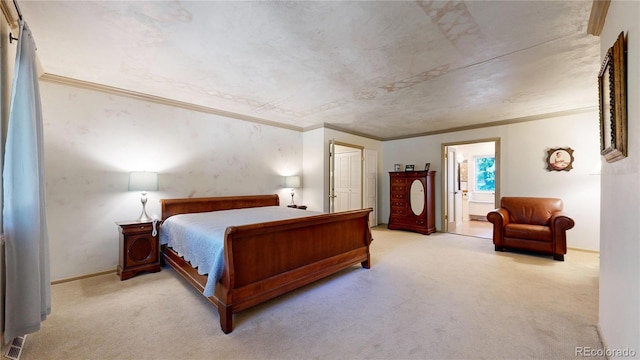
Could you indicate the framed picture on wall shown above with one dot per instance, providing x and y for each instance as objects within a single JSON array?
[
  {"x": 560, "y": 159},
  {"x": 612, "y": 90}
]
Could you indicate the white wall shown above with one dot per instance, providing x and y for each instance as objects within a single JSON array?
[
  {"x": 620, "y": 221},
  {"x": 314, "y": 182},
  {"x": 92, "y": 141},
  {"x": 523, "y": 169}
]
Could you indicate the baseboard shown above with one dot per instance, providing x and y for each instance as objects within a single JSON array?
[
  {"x": 583, "y": 250},
  {"x": 60, "y": 281},
  {"x": 602, "y": 340}
]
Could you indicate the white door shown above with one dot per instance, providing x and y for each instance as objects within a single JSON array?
[
  {"x": 348, "y": 180},
  {"x": 371, "y": 184},
  {"x": 451, "y": 190}
]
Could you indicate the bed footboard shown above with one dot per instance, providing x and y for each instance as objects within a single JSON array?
[{"x": 265, "y": 260}]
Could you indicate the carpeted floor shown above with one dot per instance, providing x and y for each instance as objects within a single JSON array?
[{"x": 441, "y": 296}]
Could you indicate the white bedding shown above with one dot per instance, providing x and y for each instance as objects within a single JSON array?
[{"x": 199, "y": 237}]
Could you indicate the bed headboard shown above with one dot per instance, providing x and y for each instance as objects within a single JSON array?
[{"x": 193, "y": 205}]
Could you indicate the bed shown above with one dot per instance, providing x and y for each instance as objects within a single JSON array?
[{"x": 267, "y": 259}]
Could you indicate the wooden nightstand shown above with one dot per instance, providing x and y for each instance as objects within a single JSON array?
[{"x": 139, "y": 249}]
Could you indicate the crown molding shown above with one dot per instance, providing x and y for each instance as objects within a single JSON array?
[
  {"x": 62, "y": 80},
  {"x": 10, "y": 13},
  {"x": 598, "y": 15},
  {"x": 347, "y": 131},
  {"x": 500, "y": 122}
]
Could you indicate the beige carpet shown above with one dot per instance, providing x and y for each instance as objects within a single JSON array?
[{"x": 441, "y": 296}]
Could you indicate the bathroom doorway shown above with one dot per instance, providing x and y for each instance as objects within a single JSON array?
[{"x": 471, "y": 184}]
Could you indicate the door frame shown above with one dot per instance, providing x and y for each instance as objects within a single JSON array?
[
  {"x": 450, "y": 177},
  {"x": 444, "y": 183}
]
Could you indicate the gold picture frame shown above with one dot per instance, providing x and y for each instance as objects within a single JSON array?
[{"x": 612, "y": 89}]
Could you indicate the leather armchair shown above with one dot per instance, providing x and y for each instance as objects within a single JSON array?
[{"x": 530, "y": 223}]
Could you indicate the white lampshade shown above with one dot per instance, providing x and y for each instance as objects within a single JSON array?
[
  {"x": 292, "y": 181},
  {"x": 143, "y": 181}
]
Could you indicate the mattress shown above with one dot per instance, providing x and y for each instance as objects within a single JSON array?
[{"x": 199, "y": 237}]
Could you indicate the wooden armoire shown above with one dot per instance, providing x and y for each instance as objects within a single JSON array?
[{"x": 413, "y": 201}]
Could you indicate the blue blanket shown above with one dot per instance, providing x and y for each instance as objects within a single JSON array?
[{"x": 199, "y": 237}]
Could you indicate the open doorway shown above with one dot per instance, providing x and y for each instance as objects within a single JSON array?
[{"x": 471, "y": 184}]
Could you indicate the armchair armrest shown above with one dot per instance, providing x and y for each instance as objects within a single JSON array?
[
  {"x": 561, "y": 222},
  {"x": 499, "y": 218}
]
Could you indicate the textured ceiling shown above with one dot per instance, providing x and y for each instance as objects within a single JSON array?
[{"x": 381, "y": 69}]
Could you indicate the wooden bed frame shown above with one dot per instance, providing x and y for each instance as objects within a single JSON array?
[{"x": 265, "y": 260}]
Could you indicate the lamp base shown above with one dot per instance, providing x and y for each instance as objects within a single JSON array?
[{"x": 143, "y": 216}]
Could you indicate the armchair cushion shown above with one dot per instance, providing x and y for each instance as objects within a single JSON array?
[{"x": 526, "y": 231}]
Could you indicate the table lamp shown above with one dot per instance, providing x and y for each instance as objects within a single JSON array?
[
  {"x": 143, "y": 181},
  {"x": 292, "y": 182}
]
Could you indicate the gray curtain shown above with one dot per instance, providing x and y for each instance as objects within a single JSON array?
[{"x": 28, "y": 289}]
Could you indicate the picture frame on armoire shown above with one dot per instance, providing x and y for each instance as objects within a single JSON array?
[{"x": 612, "y": 91}]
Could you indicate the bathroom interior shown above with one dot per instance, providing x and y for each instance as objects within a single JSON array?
[{"x": 473, "y": 192}]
